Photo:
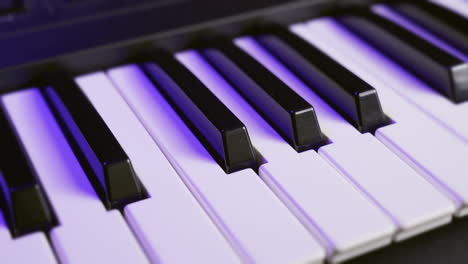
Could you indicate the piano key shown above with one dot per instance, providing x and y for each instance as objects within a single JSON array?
[
  {"x": 307, "y": 183},
  {"x": 254, "y": 221},
  {"x": 31, "y": 248},
  {"x": 103, "y": 158},
  {"x": 460, "y": 7},
  {"x": 374, "y": 170},
  {"x": 443, "y": 111},
  {"x": 288, "y": 113},
  {"x": 392, "y": 15},
  {"x": 87, "y": 232},
  {"x": 446, "y": 73},
  {"x": 337, "y": 128},
  {"x": 349, "y": 95},
  {"x": 381, "y": 174},
  {"x": 154, "y": 220},
  {"x": 224, "y": 136},
  {"x": 22, "y": 198},
  {"x": 414, "y": 136},
  {"x": 442, "y": 22}
]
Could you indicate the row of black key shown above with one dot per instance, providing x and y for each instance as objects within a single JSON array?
[
  {"x": 443, "y": 71},
  {"x": 447, "y": 25},
  {"x": 220, "y": 131}
]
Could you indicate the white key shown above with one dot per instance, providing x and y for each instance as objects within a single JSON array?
[
  {"x": 388, "y": 13},
  {"x": 311, "y": 189},
  {"x": 87, "y": 233},
  {"x": 32, "y": 248},
  {"x": 254, "y": 221},
  {"x": 367, "y": 163},
  {"x": 393, "y": 185},
  {"x": 171, "y": 226},
  {"x": 459, "y": 6},
  {"x": 426, "y": 146},
  {"x": 442, "y": 110}
]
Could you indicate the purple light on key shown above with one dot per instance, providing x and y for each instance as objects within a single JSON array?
[{"x": 390, "y": 14}]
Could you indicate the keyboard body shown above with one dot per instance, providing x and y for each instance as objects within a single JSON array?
[{"x": 82, "y": 36}]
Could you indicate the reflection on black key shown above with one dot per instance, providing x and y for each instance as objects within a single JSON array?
[
  {"x": 22, "y": 198},
  {"x": 220, "y": 131},
  {"x": 104, "y": 160},
  {"x": 444, "y": 72},
  {"x": 442, "y": 22},
  {"x": 353, "y": 98},
  {"x": 285, "y": 110}
]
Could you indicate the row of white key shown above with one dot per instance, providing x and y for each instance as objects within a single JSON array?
[
  {"x": 256, "y": 224},
  {"x": 312, "y": 190},
  {"x": 362, "y": 188},
  {"x": 367, "y": 164},
  {"x": 428, "y": 147},
  {"x": 171, "y": 226},
  {"x": 441, "y": 109},
  {"x": 87, "y": 233}
]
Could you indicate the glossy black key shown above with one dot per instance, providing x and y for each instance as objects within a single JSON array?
[
  {"x": 353, "y": 98},
  {"x": 22, "y": 198},
  {"x": 107, "y": 165},
  {"x": 442, "y": 22},
  {"x": 286, "y": 111},
  {"x": 9, "y": 6},
  {"x": 444, "y": 72},
  {"x": 219, "y": 130}
]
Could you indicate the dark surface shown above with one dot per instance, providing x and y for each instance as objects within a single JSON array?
[
  {"x": 444, "y": 72},
  {"x": 447, "y": 245},
  {"x": 441, "y": 21},
  {"x": 9, "y": 6},
  {"x": 98, "y": 150},
  {"x": 220, "y": 131},
  {"x": 350, "y": 96},
  {"x": 97, "y": 40},
  {"x": 287, "y": 112},
  {"x": 24, "y": 203}
]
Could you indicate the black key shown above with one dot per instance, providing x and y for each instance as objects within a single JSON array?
[
  {"x": 285, "y": 110},
  {"x": 219, "y": 130},
  {"x": 353, "y": 98},
  {"x": 444, "y": 72},
  {"x": 22, "y": 198},
  {"x": 442, "y": 22},
  {"x": 9, "y": 6},
  {"x": 107, "y": 165}
]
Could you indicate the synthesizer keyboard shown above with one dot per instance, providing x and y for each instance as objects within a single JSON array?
[{"x": 261, "y": 131}]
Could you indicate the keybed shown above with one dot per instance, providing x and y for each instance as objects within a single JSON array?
[{"x": 318, "y": 141}]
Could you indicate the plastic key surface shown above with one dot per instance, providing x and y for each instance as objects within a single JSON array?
[
  {"x": 254, "y": 221},
  {"x": 104, "y": 160},
  {"x": 353, "y": 98},
  {"x": 221, "y": 132},
  {"x": 31, "y": 248},
  {"x": 307, "y": 182},
  {"x": 373, "y": 170},
  {"x": 22, "y": 197},
  {"x": 170, "y": 221},
  {"x": 288, "y": 113},
  {"x": 87, "y": 233},
  {"x": 423, "y": 32},
  {"x": 414, "y": 137},
  {"x": 437, "y": 19},
  {"x": 445, "y": 72},
  {"x": 458, "y": 6},
  {"x": 445, "y": 112}
]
